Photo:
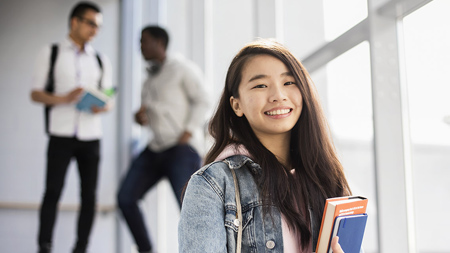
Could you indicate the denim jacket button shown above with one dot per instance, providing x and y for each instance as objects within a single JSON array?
[
  {"x": 236, "y": 222},
  {"x": 270, "y": 244}
]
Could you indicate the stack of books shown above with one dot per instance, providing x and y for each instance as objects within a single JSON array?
[{"x": 346, "y": 218}]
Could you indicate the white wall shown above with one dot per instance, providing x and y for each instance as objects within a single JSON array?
[{"x": 25, "y": 27}]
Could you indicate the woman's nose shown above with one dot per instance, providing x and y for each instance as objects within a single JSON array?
[{"x": 278, "y": 94}]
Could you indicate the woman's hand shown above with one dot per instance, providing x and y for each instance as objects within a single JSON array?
[{"x": 335, "y": 247}]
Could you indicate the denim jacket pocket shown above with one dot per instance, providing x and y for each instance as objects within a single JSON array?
[{"x": 230, "y": 217}]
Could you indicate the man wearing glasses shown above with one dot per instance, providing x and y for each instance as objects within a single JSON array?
[{"x": 72, "y": 133}]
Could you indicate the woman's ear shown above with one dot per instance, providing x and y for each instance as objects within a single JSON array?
[{"x": 236, "y": 106}]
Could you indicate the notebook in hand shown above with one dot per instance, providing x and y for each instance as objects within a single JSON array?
[
  {"x": 350, "y": 230},
  {"x": 91, "y": 98}
]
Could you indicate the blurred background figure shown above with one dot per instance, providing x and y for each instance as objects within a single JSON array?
[
  {"x": 62, "y": 72},
  {"x": 174, "y": 103}
]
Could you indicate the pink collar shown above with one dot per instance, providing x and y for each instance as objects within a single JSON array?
[{"x": 231, "y": 150}]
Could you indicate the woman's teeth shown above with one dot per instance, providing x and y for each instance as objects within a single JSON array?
[{"x": 278, "y": 112}]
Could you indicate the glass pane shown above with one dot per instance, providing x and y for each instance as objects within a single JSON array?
[
  {"x": 427, "y": 51},
  {"x": 345, "y": 87},
  {"x": 350, "y": 94},
  {"x": 340, "y": 16}
]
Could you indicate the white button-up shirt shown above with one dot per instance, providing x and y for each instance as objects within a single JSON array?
[{"x": 73, "y": 68}]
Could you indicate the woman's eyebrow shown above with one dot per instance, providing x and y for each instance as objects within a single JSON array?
[
  {"x": 262, "y": 76},
  {"x": 287, "y": 73},
  {"x": 256, "y": 77}
]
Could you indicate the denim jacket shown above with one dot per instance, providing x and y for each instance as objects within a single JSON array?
[{"x": 209, "y": 211}]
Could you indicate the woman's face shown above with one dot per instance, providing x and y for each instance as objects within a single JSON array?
[{"x": 268, "y": 97}]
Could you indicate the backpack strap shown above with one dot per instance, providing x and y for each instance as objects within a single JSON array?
[
  {"x": 50, "y": 85},
  {"x": 100, "y": 64}
]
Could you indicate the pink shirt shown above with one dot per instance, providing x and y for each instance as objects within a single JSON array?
[{"x": 289, "y": 241}]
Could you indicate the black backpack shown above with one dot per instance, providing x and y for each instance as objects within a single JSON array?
[{"x": 50, "y": 85}]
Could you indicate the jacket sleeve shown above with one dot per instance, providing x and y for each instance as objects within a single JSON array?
[{"x": 201, "y": 227}]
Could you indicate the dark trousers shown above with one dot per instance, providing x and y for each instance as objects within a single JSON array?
[
  {"x": 177, "y": 164},
  {"x": 60, "y": 152}
]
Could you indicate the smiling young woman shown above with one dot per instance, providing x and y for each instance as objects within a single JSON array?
[
  {"x": 270, "y": 101},
  {"x": 269, "y": 129}
]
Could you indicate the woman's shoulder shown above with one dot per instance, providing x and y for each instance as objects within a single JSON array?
[
  {"x": 214, "y": 167},
  {"x": 217, "y": 176},
  {"x": 218, "y": 173},
  {"x": 235, "y": 162}
]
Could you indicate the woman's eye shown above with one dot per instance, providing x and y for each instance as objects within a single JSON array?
[
  {"x": 289, "y": 83},
  {"x": 260, "y": 86}
]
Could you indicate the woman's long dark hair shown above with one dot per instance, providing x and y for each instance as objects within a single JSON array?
[{"x": 318, "y": 172}]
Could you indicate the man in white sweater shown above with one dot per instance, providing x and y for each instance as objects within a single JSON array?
[{"x": 174, "y": 104}]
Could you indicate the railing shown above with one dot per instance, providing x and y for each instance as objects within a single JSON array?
[{"x": 61, "y": 207}]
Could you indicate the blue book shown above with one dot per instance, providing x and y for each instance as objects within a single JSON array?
[
  {"x": 91, "y": 98},
  {"x": 350, "y": 229}
]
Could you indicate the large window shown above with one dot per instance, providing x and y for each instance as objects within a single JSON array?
[
  {"x": 340, "y": 16},
  {"x": 427, "y": 51},
  {"x": 350, "y": 95},
  {"x": 347, "y": 95}
]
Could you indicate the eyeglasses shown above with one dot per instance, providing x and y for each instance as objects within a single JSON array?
[{"x": 91, "y": 23}]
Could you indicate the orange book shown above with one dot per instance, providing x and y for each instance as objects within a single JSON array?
[{"x": 334, "y": 207}]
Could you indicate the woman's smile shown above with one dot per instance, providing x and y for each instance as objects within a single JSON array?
[{"x": 279, "y": 112}]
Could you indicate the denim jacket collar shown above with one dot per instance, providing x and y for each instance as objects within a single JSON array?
[{"x": 237, "y": 161}]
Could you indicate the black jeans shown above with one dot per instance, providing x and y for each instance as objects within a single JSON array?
[
  {"x": 177, "y": 164},
  {"x": 60, "y": 151}
]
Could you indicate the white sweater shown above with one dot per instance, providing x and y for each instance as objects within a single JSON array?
[{"x": 176, "y": 101}]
